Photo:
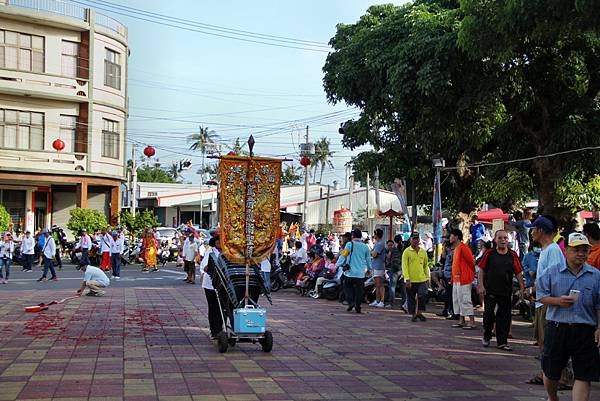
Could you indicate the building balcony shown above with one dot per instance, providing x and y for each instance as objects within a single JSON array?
[
  {"x": 69, "y": 10},
  {"x": 43, "y": 161},
  {"x": 43, "y": 85}
]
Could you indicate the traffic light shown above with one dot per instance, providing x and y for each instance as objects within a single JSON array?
[{"x": 185, "y": 164}]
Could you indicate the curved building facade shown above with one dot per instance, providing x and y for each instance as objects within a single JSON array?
[{"x": 63, "y": 75}]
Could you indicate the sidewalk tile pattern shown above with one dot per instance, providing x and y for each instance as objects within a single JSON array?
[{"x": 152, "y": 344}]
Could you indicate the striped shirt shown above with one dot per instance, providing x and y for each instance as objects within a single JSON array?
[{"x": 557, "y": 281}]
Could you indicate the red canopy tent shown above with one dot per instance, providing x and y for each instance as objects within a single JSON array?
[{"x": 490, "y": 215}]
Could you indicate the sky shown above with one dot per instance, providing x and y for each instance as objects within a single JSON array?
[{"x": 179, "y": 80}]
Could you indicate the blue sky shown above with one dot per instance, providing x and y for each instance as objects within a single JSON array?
[{"x": 234, "y": 88}]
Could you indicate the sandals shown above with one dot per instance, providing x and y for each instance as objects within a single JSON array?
[{"x": 535, "y": 380}]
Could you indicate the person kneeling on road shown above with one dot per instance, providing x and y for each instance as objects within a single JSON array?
[{"x": 94, "y": 281}]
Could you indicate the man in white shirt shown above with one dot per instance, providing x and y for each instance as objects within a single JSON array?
[
  {"x": 27, "y": 251},
  {"x": 7, "y": 249},
  {"x": 105, "y": 245},
  {"x": 214, "y": 314},
  {"x": 94, "y": 281},
  {"x": 48, "y": 252},
  {"x": 299, "y": 258},
  {"x": 116, "y": 249},
  {"x": 265, "y": 268},
  {"x": 85, "y": 244},
  {"x": 190, "y": 256}
]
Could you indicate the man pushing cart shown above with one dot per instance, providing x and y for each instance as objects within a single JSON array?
[{"x": 249, "y": 219}]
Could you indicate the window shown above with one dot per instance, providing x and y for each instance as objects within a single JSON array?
[
  {"x": 112, "y": 69},
  {"x": 70, "y": 58},
  {"x": 68, "y": 125},
  {"x": 21, "y": 129},
  {"x": 20, "y": 51},
  {"x": 110, "y": 139}
]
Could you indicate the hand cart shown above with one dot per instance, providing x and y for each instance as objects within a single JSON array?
[{"x": 238, "y": 288}]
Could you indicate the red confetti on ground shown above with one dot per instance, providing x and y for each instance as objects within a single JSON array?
[
  {"x": 44, "y": 325},
  {"x": 146, "y": 320}
]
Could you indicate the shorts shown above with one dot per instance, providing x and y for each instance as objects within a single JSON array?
[
  {"x": 539, "y": 324},
  {"x": 378, "y": 273},
  {"x": 187, "y": 265},
  {"x": 564, "y": 341},
  {"x": 461, "y": 299}
]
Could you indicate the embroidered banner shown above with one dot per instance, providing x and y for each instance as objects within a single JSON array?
[{"x": 249, "y": 213}]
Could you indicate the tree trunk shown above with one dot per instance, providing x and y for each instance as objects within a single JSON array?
[
  {"x": 546, "y": 177},
  {"x": 321, "y": 177}
]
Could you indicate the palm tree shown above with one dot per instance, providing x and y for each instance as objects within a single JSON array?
[
  {"x": 322, "y": 157},
  {"x": 203, "y": 140},
  {"x": 174, "y": 171},
  {"x": 238, "y": 148}
]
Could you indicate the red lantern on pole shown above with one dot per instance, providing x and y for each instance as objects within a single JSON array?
[
  {"x": 305, "y": 161},
  {"x": 149, "y": 151},
  {"x": 58, "y": 144}
]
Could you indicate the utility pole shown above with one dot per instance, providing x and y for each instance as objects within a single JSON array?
[
  {"x": 350, "y": 191},
  {"x": 327, "y": 204},
  {"x": 305, "y": 208},
  {"x": 133, "y": 180},
  {"x": 368, "y": 190}
]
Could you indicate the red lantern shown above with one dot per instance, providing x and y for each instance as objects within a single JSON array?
[
  {"x": 58, "y": 144},
  {"x": 305, "y": 161},
  {"x": 232, "y": 153},
  {"x": 149, "y": 151}
]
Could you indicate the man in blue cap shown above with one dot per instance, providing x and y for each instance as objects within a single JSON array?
[{"x": 572, "y": 294}]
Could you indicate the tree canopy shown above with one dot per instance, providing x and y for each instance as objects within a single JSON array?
[{"x": 477, "y": 82}]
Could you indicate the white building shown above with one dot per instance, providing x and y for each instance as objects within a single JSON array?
[
  {"x": 175, "y": 204},
  {"x": 63, "y": 75}
]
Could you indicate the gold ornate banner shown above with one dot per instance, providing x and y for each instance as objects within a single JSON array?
[{"x": 249, "y": 209}]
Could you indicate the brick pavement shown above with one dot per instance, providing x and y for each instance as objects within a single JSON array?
[{"x": 152, "y": 344}]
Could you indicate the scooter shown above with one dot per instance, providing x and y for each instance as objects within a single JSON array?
[{"x": 370, "y": 288}]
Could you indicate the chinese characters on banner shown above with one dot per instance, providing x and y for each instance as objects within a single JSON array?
[{"x": 249, "y": 209}]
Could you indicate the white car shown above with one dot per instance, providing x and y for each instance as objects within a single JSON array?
[{"x": 166, "y": 233}]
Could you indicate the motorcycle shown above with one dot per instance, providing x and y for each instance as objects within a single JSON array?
[
  {"x": 163, "y": 254},
  {"x": 135, "y": 252},
  {"x": 281, "y": 275},
  {"x": 370, "y": 289}
]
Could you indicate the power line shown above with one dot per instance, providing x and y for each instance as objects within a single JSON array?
[
  {"x": 192, "y": 26},
  {"x": 524, "y": 159}
]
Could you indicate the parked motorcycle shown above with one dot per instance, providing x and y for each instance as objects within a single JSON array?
[{"x": 281, "y": 277}]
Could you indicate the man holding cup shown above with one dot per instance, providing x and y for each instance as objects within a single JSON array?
[{"x": 572, "y": 294}]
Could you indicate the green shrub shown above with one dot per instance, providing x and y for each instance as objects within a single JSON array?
[{"x": 91, "y": 220}]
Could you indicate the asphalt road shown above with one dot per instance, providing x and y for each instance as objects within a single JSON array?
[{"x": 69, "y": 277}]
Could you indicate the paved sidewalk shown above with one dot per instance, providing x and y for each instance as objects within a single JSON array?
[{"x": 152, "y": 344}]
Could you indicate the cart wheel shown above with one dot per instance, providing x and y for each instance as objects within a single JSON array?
[
  {"x": 222, "y": 342},
  {"x": 267, "y": 341},
  {"x": 232, "y": 341}
]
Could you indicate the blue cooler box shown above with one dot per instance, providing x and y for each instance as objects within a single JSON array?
[{"x": 249, "y": 320}]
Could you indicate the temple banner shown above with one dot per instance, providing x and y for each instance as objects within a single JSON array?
[{"x": 249, "y": 207}]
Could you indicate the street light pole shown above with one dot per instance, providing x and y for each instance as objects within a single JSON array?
[
  {"x": 305, "y": 207},
  {"x": 133, "y": 180}
]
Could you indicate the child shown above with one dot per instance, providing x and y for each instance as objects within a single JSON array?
[{"x": 328, "y": 273}]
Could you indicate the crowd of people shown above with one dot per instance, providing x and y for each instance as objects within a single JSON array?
[{"x": 558, "y": 272}]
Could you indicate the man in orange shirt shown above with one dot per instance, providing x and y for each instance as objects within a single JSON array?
[
  {"x": 463, "y": 274},
  {"x": 592, "y": 232}
]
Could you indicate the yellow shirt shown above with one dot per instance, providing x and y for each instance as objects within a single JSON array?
[{"x": 414, "y": 265}]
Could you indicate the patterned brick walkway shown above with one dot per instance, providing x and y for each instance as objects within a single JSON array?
[{"x": 151, "y": 344}]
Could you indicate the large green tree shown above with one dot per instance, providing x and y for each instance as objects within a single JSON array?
[
  {"x": 147, "y": 173},
  {"x": 438, "y": 77}
]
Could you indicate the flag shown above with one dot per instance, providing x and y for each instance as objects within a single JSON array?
[{"x": 249, "y": 207}]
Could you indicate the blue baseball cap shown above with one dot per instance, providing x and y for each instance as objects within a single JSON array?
[{"x": 543, "y": 223}]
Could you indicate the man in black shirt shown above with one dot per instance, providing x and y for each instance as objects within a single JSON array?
[{"x": 497, "y": 268}]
